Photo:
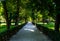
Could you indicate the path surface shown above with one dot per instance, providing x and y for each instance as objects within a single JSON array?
[{"x": 29, "y": 33}]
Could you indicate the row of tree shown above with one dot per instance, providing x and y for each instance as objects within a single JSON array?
[{"x": 17, "y": 9}]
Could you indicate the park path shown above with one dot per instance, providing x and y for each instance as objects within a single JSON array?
[{"x": 29, "y": 33}]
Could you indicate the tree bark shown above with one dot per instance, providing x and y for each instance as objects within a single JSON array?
[
  {"x": 57, "y": 22},
  {"x": 17, "y": 14}
]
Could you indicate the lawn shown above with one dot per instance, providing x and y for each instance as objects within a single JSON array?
[
  {"x": 50, "y": 25},
  {"x": 3, "y": 27}
]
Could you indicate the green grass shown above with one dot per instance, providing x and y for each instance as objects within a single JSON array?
[
  {"x": 3, "y": 28},
  {"x": 49, "y": 25}
]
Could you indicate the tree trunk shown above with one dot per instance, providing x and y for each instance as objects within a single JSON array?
[
  {"x": 33, "y": 18},
  {"x": 6, "y": 17},
  {"x": 43, "y": 19},
  {"x": 57, "y": 22},
  {"x": 6, "y": 14},
  {"x": 17, "y": 14},
  {"x": 25, "y": 19}
]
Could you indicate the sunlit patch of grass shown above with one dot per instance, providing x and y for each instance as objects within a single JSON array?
[
  {"x": 3, "y": 23},
  {"x": 3, "y": 27},
  {"x": 39, "y": 23},
  {"x": 49, "y": 25}
]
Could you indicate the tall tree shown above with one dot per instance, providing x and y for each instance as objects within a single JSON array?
[
  {"x": 8, "y": 21},
  {"x": 57, "y": 22},
  {"x": 6, "y": 14},
  {"x": 17, "y": 13}
]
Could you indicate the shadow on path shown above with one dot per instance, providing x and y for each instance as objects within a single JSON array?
[{"x": 29, "y": 33}]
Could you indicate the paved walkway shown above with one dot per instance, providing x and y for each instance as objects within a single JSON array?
[{"x": 29, "y": 33}]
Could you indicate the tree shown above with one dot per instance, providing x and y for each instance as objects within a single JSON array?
[
  {"x": 17, "y": 14},
  {"x": 6, "y": 14},
  {"x": 57, "y": 22},
  {"x": 8, "y": 21}
]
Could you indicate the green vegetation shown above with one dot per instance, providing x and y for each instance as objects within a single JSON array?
[
  {"x": 55, "y": 36},
  {"x": 4, "y": 28},
  {"x": 50, "y": 25},
  {"x": 44, "y": 12}
]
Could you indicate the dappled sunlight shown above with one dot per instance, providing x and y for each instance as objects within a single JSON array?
[
  {"x": 30, "y": 16},
  {"x": 33, "y": 26},
  {"x": 29, "y": 33},
  {"x": 29, "y": 30},
  {"x": 3, "y": 24},
  {"x": 41, "y": 32},
  {"x": 29, "y": 27},
  {"x": 29, "y": 22},
  {"x": 50, "y": 25},
  {"x": 40, "y": 23}
]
